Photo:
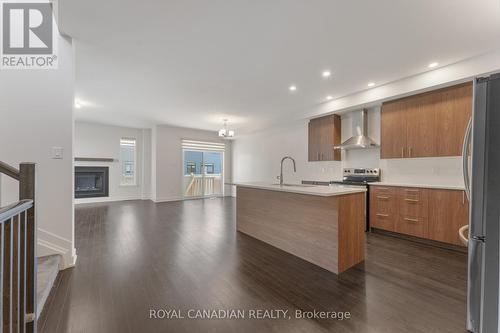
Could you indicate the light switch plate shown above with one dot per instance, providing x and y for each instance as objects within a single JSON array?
[{"x": 57, "y": 153}]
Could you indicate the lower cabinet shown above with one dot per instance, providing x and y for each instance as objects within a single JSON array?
[
  {"x": 427, "y": 213},
  {"x": 413, "y": 217},
  {"x": 450, "y": 211},
  {"x": 383, "y": 210}
]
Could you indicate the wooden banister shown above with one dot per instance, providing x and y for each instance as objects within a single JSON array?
[
  {"x": 9, "y": 171},
  {"x": 27, "y": 191},
  {"x": 18, "y": 254}
]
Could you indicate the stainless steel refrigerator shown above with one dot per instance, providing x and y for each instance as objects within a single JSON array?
[{"x": 481, "y": 159}]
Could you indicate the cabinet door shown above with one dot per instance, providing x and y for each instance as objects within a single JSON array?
[
  {"x": 452, "y": 119},
  {"x": 413, "y": 211},
  {"x": 330, "y": 137},
  {"x": 314, "y": 139},
  {"x": 326, "y": 139},
  {"x": 393, "y": 130},
  {"x": 324, "y": 134},
  {"x": 421, "y": 124},
  {"x": 448, "y": 211},
  {"x": 383, "y": 208}
]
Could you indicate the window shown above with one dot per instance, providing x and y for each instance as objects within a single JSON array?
[
  {"x": 190, "y": 168},
  {"x": 210, "y": 168},
  {"x": 127, "y": 161}
]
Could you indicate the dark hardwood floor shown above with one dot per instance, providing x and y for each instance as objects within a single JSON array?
[{"x": 135, "y": 256}]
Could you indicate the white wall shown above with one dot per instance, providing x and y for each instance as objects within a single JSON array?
[
  {"x": 96, "y": 140},
  {"x": 167, "y": 169},
  {"x": 35, "y": 115},
  {"x": 256, "y": 157}
]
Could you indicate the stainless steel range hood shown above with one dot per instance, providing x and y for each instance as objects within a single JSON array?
[{"x": 360, "y": 138}]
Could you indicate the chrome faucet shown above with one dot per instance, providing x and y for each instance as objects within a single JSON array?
[{"x": 281, "y": 168}]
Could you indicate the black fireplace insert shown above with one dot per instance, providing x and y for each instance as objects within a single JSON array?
[{"x": 91, "y": 182}]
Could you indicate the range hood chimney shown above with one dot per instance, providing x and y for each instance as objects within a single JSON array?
[{"x": 360, "y": 139}]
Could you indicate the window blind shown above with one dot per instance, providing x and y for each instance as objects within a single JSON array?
[{"x": 202, "y": 145}]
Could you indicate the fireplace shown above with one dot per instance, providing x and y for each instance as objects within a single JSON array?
[{"x": 91, "y": 182}]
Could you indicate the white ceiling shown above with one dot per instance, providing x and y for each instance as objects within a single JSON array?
[{"x": 191, "y": 63}]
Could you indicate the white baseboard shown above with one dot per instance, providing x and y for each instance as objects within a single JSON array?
[
  {"x": 49, "y": 243},
  {"x": 168, "y": 199},
  {"x": 105, "y": 199},
  {"x": 45, "y": 248}
]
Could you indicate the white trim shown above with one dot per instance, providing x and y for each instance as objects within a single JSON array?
[
  {"x": 168, "y": 199},
  {"x": 45, "y": 248},
  {"x": 106, "y": 199},
  {"x": 49, "y": 243},
  {"x": 203, "y": 145},
  {"x": 128, "y": 185},
  {"x": 47, "y": 234}
]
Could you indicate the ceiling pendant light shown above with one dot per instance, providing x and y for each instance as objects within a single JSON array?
[{"x": 224, "y": 132}]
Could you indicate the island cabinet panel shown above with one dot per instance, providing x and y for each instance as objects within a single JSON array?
[
  {"x": 448, "y": 211},
  {"x": 351, "y": 230},
  {"x": 324, "y": 134},
  {"x": 433, "y": 214},
  {"x": 426, "y": 125},
  {"x": 326, "y": 231}
]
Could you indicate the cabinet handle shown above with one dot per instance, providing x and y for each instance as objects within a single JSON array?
[
  {"x": 411, "y": 200},
  {"x": 382, "y": 197},
  {"x": 402, "y": 151},
  {"x": 383, "y": 215},
  {"x": 410, "y": 220},
  {"x": 411, "y": 190}
]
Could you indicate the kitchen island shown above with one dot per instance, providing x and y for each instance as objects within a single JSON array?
[{"x": 320, "y": 224}]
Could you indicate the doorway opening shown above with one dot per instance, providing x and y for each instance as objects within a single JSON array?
[{"x": 203, "y": 169}]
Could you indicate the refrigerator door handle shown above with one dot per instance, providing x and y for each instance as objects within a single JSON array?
[{"x": 465, "y": 158}]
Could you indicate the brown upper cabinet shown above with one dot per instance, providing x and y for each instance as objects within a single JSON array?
[
  {"x": 426, "y": 125},
  {"x": 324, "y": 133}
]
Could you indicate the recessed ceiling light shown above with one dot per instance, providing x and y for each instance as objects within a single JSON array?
[
  {"x": 78, "y": 105},
  {"x": 432, "y": 65},
  {"x": 329, "y": 98},
  {"x": 371, "y": 84},
  {"x": 326, "y": 74},
  {"x": 292, "y": 88}
]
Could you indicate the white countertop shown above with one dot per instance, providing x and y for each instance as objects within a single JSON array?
[
  {"x": 434, "y": 186},
  {"x": 324, "y": 191}
]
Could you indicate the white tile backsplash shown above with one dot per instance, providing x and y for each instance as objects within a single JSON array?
[{"x": 435, "y": 170}]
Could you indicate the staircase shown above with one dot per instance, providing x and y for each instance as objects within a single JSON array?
[
  {"x": 47, "y": 270},
  {"x": 17, "y": 253}
]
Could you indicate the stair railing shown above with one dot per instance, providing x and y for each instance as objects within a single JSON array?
[{"x": 18, "y": 254}]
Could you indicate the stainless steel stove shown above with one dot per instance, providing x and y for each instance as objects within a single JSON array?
[
  {"x": 359, "y": 176},
  {"x": 354, "y": 177}
]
